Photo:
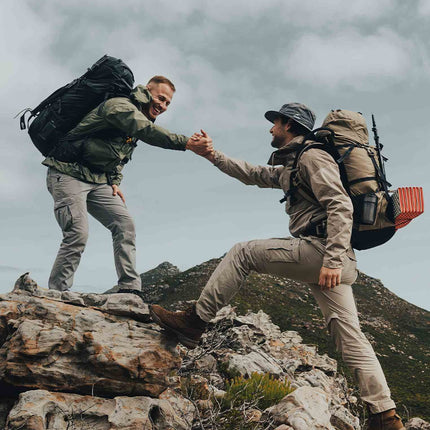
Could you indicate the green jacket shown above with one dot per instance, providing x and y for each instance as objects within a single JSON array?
[{"x": 97, "y": 148}]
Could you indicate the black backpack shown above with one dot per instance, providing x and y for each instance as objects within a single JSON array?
[{"x": 59, "y": 113}]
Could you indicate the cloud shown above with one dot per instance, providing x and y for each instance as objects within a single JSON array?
[
  {"x": 296, "y": 12},
  {"x": 424, "y": 8},
  {"x": 9, "y": 268},
  {"x": 349, "y": 59},
  {"x": 312, "y": 15}
]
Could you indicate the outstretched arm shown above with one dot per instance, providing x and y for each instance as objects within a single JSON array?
[
  {"x": 201, "y": 144},
  {"x": 123, "y": 115},
  {"x": 262, "y": 176}
]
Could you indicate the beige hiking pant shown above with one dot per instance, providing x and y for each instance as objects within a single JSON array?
[
  {"x": 301, "y": 259},
  {"x": 73, "y": 200}
]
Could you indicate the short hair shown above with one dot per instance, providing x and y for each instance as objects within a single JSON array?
[
  {"x": 295, "y": 128},
  {"x": 158, "y": 79}
]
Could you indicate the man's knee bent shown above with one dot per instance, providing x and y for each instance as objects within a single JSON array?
[{"x": 248, "y": 253}]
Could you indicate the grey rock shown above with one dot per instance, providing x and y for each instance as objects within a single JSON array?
[
  {"x": 304, "y": 409},
  {"x": 124, "y": 304},
  {"x": 255, "y": 361},
  {"x": 315, "y": 378},
  {"x": 58, "y": 346},
  {"x": 25, "y": 284},
  {"x": 40, "y": 409},
  {"x": 226, "y": 313},
  {"x": 417, "y": 424},
  {"x": 261, "y": 322},
  {"x": 206, "y": 364},
  {"x": 244, "y": 337},
  {"x": 342, "y": 419}
]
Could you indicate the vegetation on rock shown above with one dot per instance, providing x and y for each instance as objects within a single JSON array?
[{"x": 263, "y": 389}]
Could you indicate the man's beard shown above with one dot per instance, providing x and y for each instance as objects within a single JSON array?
[{"x": 277, "y": 142}]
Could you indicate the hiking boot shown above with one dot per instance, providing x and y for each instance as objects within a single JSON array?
[
  {"x": 387, "y": 420},
  {"x": 139, "y": 293},
  {"x": 187, "y": 325}
]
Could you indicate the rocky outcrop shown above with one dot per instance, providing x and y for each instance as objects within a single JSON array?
[
  {"x": 88, "y": 361},
  {"x": 83, "y": 343},
  {"x": 40, "y": 410},
  {"x": 243, "y": 344},
  {"x": 398, "y": 330}
]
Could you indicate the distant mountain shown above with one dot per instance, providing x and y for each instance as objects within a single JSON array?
[
  {"x": 159, "y": 274},
  {"x": 398, "y": 330}
]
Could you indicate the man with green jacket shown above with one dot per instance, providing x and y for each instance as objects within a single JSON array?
[{"x": 85, "y": 171}]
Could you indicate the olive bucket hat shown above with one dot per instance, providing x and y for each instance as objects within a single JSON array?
[{"x": 296, "y": 111}]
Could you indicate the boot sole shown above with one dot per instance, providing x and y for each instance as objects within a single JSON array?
[{"x": 186, "y": 341}]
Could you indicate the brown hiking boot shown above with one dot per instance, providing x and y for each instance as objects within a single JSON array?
[
  {"x": 187, "y": 325},
  {"x": 387, "y": 420}
]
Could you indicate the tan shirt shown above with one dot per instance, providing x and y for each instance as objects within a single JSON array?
[{"x": 320, "y": 173}]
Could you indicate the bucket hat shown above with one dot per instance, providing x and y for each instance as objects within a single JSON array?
[{"x": 296, "y": 111}]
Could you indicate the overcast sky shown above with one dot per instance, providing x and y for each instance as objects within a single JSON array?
[{"x": 230, "y": 61}]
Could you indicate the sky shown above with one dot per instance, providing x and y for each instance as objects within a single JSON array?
[{"x": 231, "y": 61}]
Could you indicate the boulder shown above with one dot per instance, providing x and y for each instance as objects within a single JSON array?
[
  {"x": 41, "y": 410},
  {"x": 49, "y": 344},
  {"x": 306, "y": 408}
]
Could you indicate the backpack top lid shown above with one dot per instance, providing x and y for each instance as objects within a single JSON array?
[{"x": 347, "y": 125}]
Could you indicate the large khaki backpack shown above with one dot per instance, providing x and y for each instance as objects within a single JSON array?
[{"x": 377, "y": 211}]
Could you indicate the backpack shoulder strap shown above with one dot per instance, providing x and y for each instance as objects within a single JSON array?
[{"x": 295, "y": 185}]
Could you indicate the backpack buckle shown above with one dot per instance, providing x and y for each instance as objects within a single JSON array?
[{"x": 321, "y": 229}]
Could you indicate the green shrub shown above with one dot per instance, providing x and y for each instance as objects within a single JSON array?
[{"x": 262, "y": 389}]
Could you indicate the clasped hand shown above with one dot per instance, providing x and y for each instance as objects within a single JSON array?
[{"x": 201, "y": 144}]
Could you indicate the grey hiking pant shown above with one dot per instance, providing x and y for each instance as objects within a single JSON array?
[
  {"x": 301, "y": 259},
  {"x": 72, "y": 200}
]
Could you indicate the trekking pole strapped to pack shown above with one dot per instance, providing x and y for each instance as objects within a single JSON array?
[
  {"x": 378, "y": 213},
  {"x": 381, "y": 158},
  {"x": 59, "y": 113}
]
